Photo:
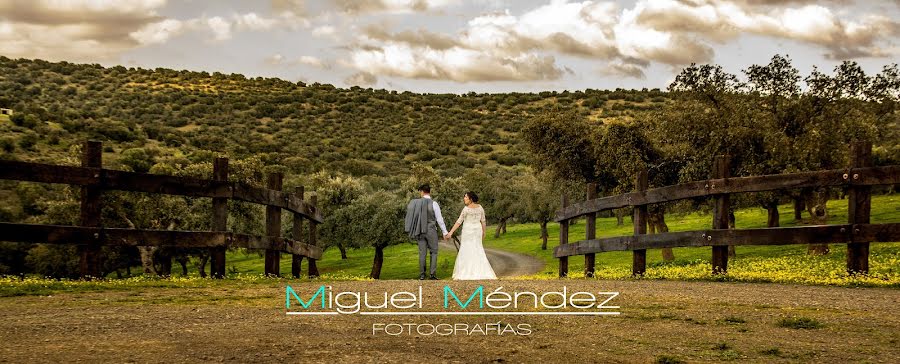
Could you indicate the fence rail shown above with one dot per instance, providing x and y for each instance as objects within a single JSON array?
[
  {"x": 90, "y": 236},
  {"x": 857, "y": 233},
  {"x": 870, "y": 176},
  {"x": 109, "y": 179}
]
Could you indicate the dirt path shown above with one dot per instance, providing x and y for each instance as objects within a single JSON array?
[
  {"x": 505, "y": 263},
  {"x": 241, "y": 322}
]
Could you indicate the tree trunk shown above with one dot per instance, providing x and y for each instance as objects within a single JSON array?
[
  {"x": 343, "y": 250},
  {"x": 183, "y": 261},
  {"x": 544, "y": 235},
  {"x": 661, "y": 227},
  {"x": 165, "y": 265},
  {"x": 798, "y": 208},
  {"x": 504, "y": 226},
  {"x": 620, "y": 217},
  {"x": 377, "y": 262},
  {"x": 817, "y": 206},
  {"x": 202, "y": 268},
  {"x": 499, "y": 228},
  {"x": 773, "y": 218},
  {"x": 147, "y": 258}
]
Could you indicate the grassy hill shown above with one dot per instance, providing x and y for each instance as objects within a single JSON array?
[{"x": 295, "y": 127}]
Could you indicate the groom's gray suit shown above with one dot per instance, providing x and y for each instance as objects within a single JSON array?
[{"x": 423, "y": 216}]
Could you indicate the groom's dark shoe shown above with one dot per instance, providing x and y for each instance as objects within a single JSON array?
[
  {"x": 433, "y": 277},
  {"x": 422, "y": 276}
]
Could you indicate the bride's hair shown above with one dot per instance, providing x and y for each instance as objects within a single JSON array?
[{"x": 472, "y": 196}]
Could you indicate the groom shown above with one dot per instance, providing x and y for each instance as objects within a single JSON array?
[{"x": 423, "y": 216}]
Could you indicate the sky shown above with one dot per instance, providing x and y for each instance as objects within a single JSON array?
[{"x": 454, "y": 46}]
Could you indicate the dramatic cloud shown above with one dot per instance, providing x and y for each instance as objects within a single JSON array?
[
  {"x": 420, "y": 37},
  {"x": 810, "y": 23},
  {"x": 581, "y": 29},
  {"x": 92, "y": 30},
  {"x": 446, "y": 40},
  {"x": 456, "y": 64},
  {"x": 505, "y": 46}
]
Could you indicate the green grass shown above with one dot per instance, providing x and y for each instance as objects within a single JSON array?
[
  {"x": 400, "y": 262},
  {"x": 782, "y": 264},
  {"x": 787, "y": 264},
  {"x": 525, "y": 238}
]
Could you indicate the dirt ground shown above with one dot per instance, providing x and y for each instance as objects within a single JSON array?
[{"x": 689, "y": 321}]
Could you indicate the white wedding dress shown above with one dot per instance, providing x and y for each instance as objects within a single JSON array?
[{"x": 472, "y": 262}]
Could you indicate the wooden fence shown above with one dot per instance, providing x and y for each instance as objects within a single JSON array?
[
  {"x": 91, "y": 235},
  {"x": 857, "y": 233}
]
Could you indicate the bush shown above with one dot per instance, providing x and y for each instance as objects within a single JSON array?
[
  {"x": 137, "y": 159},
  {"x": 8, "y": 144},
  {"x": 28, "y": 141},
  {"x": 799, "y": 323}
]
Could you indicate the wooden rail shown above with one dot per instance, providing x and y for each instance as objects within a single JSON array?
[
  {"x": 870, "y": 176},
  {"x": 857, "y": 233},
  {"x": 90, "y": 236},
  {"x": 108, "y": 179}
]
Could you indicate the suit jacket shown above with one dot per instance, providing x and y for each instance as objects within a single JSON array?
[{"x": 416, "y": 222}]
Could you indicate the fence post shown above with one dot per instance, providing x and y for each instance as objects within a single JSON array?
[
  {"x": 313, "y": 269},
  {"x": 273, "y": 227},
  {"x": 219, "y": 219},
  {"x": 639, "y": 256},
  {"x": 721, "y": 169},
  {"x": 564, "y": 239},
  {"x": 860, "y": 200},
  {"x": 296, "y": 231},
  {"x": 590, "y": 232},
  {"x": 89, "y": 263}
]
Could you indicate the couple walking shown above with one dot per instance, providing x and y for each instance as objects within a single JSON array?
[{"x": 423, "y": 217}]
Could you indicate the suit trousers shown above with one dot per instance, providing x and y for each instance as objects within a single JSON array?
[{"x": 428, "y": 242}]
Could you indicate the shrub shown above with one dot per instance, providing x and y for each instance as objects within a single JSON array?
[{"x": 799, "y": 323}]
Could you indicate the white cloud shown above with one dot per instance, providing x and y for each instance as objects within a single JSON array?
[
  {"x": 220, "y": 28},
  {"x": 311, "y": 61},
  {"x": 324, "y": 31},
  {"x": 275, "y": 59},
  {"x": 456, "y": 64},
  {"x": 78, "y": 30},
  {"x": 505, "y": 46},
  {"x": 158, "y": 32},
  {"x": 807, "y": 22},
  {"x": 251, "y": 21}
]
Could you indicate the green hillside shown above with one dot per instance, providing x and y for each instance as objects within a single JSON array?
[{"x": 294, "y": 127}]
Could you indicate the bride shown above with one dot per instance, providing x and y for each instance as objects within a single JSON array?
[{"x": 471, "y": 262}]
